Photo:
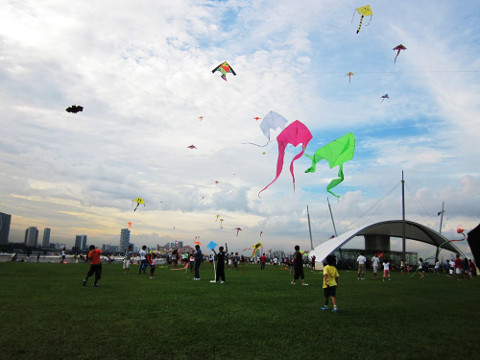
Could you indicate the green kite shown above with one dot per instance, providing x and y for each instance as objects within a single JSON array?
[{"x": 336, "y": 153}]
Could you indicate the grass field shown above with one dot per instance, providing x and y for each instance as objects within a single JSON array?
[{"x": 47, "y": 314}]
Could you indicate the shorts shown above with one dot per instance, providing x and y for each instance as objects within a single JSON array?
[
  {"x": 126, "y": 264},
  {"x": 458, "y": 271},
  {"x": 330, "y": 291},
  {"x": 375, "y": 269},
  {"x": 361, "y": 268},
  {"x": 299, "y": 274}
]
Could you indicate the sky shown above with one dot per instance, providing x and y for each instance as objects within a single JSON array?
[{"x": 142, "y": 70}]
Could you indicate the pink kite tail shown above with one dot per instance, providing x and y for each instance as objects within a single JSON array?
[{"x": 281, "y": 155}]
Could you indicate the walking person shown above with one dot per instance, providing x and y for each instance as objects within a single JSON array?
[
  {"x": 143, "y": 260},
  {"x": 375, "y": 263},
  {"x": 330, "y": 283},
  {"x": 298, "y": 266},
  {"x": 95, "y": 265},
  {"x": 362, "y": 261},
  {"x": 127, "y": 258},
  {"x": 263, "y": 259},
  {"x": 386, "y": 269}
]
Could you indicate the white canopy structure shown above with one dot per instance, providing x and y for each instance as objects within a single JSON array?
[{"x": 392, "y": 228}]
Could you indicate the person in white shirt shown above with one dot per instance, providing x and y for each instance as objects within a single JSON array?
[
  {"x": 375, "y": 263},
  {"x": 143, "y": 260},
  {"x": 386, "y": 269},
  {"x": 362, "y": 261}
]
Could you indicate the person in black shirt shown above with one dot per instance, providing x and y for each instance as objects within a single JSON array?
[
  {"x": 220, "y": 273},
  {"x": 298, "y": 266}
]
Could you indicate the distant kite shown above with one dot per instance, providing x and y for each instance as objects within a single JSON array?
[
  {"x": 196, "y": 240},
  {"x": 257, "y": 118},
  {"x": 255, "y": 248},
  {"x": 217, "y": 217},
  {"x": 363, "y": 11},
  {"x": 138, "y": 201},
  {"x": 129, "y": 225},
  {"x": 224, "y": 68},
  {"x": 350, "y": 74},
  {"x": 460, "y": 230},
  {"x": 191, "y": 147},
  {"x": 238, "y": 229},
  {"x": 336, "y": 153},
  {"x": 296, "y": 133},
  {"x": 221, "y": 223},
  {"x": 201, "y": 118},
  {"x": 398, "y": 49},
  {"x": 74, "y": 109},
  {"x": 383, "y": 97},
  {"x": 261, "y": 232}
]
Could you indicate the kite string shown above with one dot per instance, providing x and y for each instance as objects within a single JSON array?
[
  {"x": 374, "y": 205},
  {"x": 418, "y": 205}
]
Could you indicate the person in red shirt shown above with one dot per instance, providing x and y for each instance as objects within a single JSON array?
[
  {"x": 95, "y": 265},
  {"x": 263, "y": 259},
  {"x": 458, "y": 266}
]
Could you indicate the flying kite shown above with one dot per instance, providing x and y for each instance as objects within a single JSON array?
[
  {"x": 129, "y": 225},
  {"x": 221, "y": 223},
  {"x": 398, "y": 49},
  {"x": 271, "y": 121},
  {"x": 296, "y": 133},
  {"x": 191, "y": 147},
  {"x": 363, "y": 11},
  {"x": 238, "y": 229},
  {"x": 261, "y": 232},
  {"x": 217, "y": 217},
  {"x": 336, "y": 153},
  {"x": 138, "y": 201},
  {"x": 201, "y": 118},
  {"x": 383, "y": 97},
  {"x": 74, "y": 109},
  {"x": 224, "y": 68},
  {"x": 460, "y": 230},
  {"x": 196, "y": 240},
  {"x": 257, "y": 118},
  {"x": 256, "y": 247},
  {"x": 350, "y": 74}
]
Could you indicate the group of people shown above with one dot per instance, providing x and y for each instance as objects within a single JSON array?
[{"x": 462, "y": 268}]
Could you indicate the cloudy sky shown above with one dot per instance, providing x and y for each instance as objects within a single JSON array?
[{"x": 142, "y": 71}]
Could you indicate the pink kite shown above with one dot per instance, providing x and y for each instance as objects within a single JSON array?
[
  {"x": 296, "y": 133},
  {"x": 238, "y": 229},
  {"x": 192, "y": 147}
]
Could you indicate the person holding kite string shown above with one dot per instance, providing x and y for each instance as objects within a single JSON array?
[
  {"x": 298, "y": 266},
  {"x": 198, "y": 260},
  {"x": 220, "y": 273}
]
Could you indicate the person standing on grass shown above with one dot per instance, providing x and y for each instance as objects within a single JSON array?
[
  {"x": 143, "y": 260},
  {"x": 127, "y": 258},
  {"x": 386, "y": 269},
  {"x": 375, "y": 263},
  {"x": 221, "y": 257},
  {"x": 402, "y": 266},
  {"x": 198, "y": 260},
  {"x": 151, "y": 261},
  {"x": 362, "y": 261},
  {"x": 95, "y": 264},
  {"x": 313, "y": 262},
  {"x": 263, "y": 260},
  {"x": 298, "y": 266},
  {"x": 330, "y": 283},
  {"x": 458, "y": 266},
  {"x": 236, "y": 260},
  {"x": 191, "y": 260},
  {"x": 420, "y": 268}
]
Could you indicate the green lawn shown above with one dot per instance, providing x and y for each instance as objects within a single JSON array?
[{"x": 46, "y": 314}]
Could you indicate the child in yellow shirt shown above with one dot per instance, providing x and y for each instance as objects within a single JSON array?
[{"x": 330, "y": 282}]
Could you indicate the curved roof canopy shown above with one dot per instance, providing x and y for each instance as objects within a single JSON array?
[{"x": 392, "y": 228}]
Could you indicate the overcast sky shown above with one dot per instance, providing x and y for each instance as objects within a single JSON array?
[{"x": 142, "y": 72}]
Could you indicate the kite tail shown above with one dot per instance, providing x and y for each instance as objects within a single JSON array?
[
  {"x": 395, "y": 59},
  {"x": 336, "y": 181},
  {"x": 136, "y": 207},
  {"x": 291, "y": 165},
  {"x": 360, "y": 25},
  {"x": 281, "y": 155}
]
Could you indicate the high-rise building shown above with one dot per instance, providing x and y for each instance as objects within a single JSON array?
[
  {"x": 31, "y": 236},
  {"x": 4, "y": 227},
  {"x": 46, "y": 238},
  {"x": 124, "y": 239},
  {"x": 81, "y": 242}
]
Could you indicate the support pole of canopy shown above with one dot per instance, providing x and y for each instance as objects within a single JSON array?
[
  {"x": 309, "y": 229},
  {"x": 331, "y": 216},
  {"x": 403, "y": 218},
  {"x": 440, "y": 230}
]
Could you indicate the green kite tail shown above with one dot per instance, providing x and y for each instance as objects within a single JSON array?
[{"x": 336, "y": 153}]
